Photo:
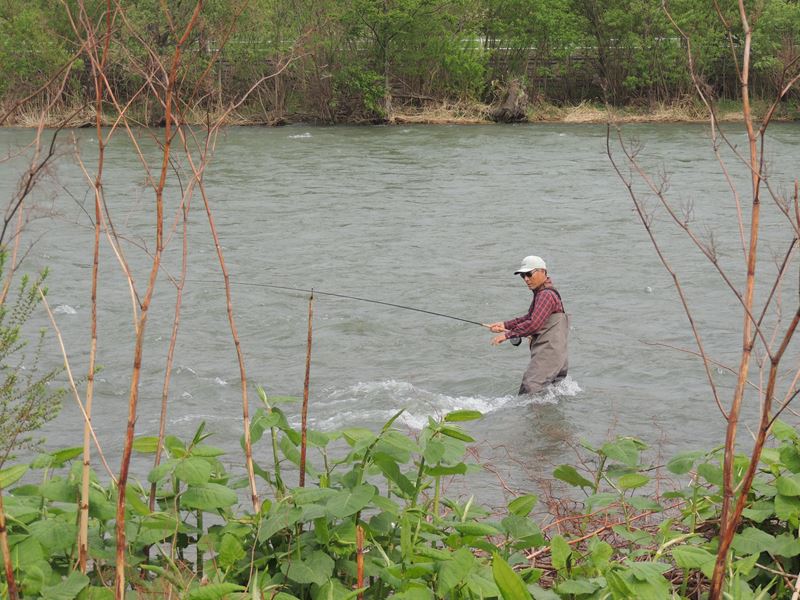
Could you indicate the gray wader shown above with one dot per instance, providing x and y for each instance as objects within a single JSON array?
[{"x": 548, "y": 355}]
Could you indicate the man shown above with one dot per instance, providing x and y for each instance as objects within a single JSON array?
[{"x": 545, "y": 323}]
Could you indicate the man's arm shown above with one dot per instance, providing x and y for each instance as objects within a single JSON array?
[{"x": 542, "y": 309}]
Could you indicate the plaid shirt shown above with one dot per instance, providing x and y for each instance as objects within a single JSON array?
[{"x": 542, "y": 307}]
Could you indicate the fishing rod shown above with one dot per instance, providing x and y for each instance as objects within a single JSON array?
[{"x": 515, "y": 341}]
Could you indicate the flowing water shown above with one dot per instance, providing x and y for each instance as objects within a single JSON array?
[{"x": 435, "y": 217}]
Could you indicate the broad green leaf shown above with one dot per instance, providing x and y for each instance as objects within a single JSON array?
[
  {"x": 759, "y": 511},
  {"x": 11, "y": 475},
  {"x": 624, "y": 450},
  {"x": 392, "y": 472},
  {"x": 682, "y": 463},
  {"x": 560, "y": 552},
  {"x": 456, "y": 432},
  {"x": 568, "y": 474},
  {"x": 791, "y": 458},
  {"x": 282, "y": 517},
  {"x": 230, "y": 551},
  {"x": 453, "y": 572},
  {"x": 693, "y": 557},
  {"x": 207, "y": 451},
  {"x": 433, "y": 452},
  {"x": 146, "y": 444},
  {"x": 65, "y": 454},
  {"x": 59, "y": 490},
  {"x": 316, "y": 569},
  {"x": 600, "y": 553},
  {"x": 208, "y": 497},
  {"x": 711, "y": 473},
  {"x": 443, "y": 471},
  {"x": 349, "y": 502},
  {"x": 54, "y": 535},
  {"x": 643, "y": 503},
  {"x": 481, "y": 529},
  {"x": 543, "y": 594},
  {"x": 632, "y": 481},
  {"x": 214, "y": 591},
  {"x": 752, "y": 541},
  {"x": 161, "y": 471},
  {"x": 786, "y": 544},
  {"x": 67, "y": 589},
  {"x": 358, "y": 437},
  {"x": 787, "y": 507},
  {"x": 510, "y": 583},
  {"x": 193, "y": 470},
  {"x": 522, "y": 505},
  {"x": 783, "y": 431},
  {"x": 463, "y": 415},
  {"x": 788, "y": 485},
  {"x": 577, "y": 587}
]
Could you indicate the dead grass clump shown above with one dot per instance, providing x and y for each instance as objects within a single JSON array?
[{"x": 462, "y": 112}]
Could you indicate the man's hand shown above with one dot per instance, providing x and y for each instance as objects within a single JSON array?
[
  {"x": 498, "y": 339},
  {"x": 496, "y": 327}
]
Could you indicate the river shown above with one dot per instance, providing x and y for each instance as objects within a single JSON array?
[{"x": 435, "y": 217}]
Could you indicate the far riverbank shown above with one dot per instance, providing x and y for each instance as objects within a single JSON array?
[{"x": 444, "y": 113}]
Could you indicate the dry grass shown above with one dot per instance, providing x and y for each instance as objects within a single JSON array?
[
  {"x": 457, "y": 113},
  {"x": 687, "y": 110}
]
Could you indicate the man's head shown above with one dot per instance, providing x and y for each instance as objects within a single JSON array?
[{"x": 533, "y": 271}]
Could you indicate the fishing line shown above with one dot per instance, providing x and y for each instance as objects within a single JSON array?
[
  {"x": 335, "y": 295},
  {"x": 515, "y": 341}
]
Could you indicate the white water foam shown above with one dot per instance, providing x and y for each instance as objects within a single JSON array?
[
  {"x": 300, "y": 136},
  {"x": 64, "y": 309},
  {"x": 367, "y": 401}
]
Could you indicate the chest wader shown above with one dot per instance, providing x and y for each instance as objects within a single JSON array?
[{"x": 548, "y": 352}]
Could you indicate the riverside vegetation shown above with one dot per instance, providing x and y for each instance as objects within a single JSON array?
[
  {"x": 366, "y": 60},
  {"x": 375, "y": 524}
]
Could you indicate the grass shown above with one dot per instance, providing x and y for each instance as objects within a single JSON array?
[{"x": 462, "y": 112}]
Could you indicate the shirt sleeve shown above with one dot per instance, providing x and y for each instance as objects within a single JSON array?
[{"x": 534, "y": 320}]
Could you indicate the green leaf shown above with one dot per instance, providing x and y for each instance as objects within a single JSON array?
[
  {"x": 577, "y": 587},
  {"x": 442, "y": 471},
  {"x": 146, "y": 444},
  {"x": 787, "y": 507},
  {"x": 480, "y": 529},
  {"x": 161, "y": 471},
  {"x": 624, "y": 450},
  {"x": 316, "y": 569},
  {"x": 67, "y": 589},
  {"x": 568, "y": 474},
  {"x": 462, "y": 415},
  {"x": 759, "y": 511},
  {"x": 752, "y": 541},
  {"x": 783, "y": 431},
  {"x": 358, "y": 437},
  {"x": 456, "y": 432},
  {"x": 64, "y": 455},
  {"x": 194, "y": 471},
  {"x": 510, "y": 583},
  {"x": 11, "y": 475},
  {"x": 230, "y": 551},
  {"x": 788, "y": 485},
  {"x": 522, "y": 505},
  {"x": 208, "y": 497},
  {"x": 349, "y": 502},
  {"x": 632, "y": 481},
  {"x": 453, "y": 572},
  {"x": 682, "y": 463},
  {"x": 693, "y": 557},
  {"x": 786, "y": 544},
  {"x": 600, "y": 553},
  {"x": 711, "y": 473},
  {"x": 214, "y": 591},
  {"x": 560, "y": 552},
  {"x": 54, "y": 535}
]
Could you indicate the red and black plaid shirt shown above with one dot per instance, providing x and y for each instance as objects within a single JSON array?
[{"x": 541, "y": 308}]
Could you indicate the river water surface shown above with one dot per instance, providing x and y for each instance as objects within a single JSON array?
[{"x": 436, "y": 217}]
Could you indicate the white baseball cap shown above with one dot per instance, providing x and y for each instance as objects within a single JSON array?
[{"x": 529, "y": 263}]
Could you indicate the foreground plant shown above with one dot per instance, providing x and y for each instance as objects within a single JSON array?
[{"x": 371, "y": 522}]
